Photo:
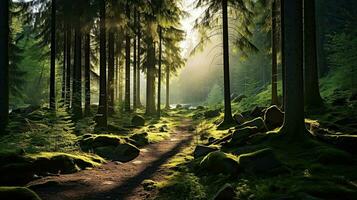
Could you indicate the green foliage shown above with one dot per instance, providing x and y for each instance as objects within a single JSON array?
[{"x": 215, "y": 96}]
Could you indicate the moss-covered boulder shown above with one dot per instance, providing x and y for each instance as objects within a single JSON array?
[
  {"x": 225, "y": 193},
  {"x": 257, "y": 122},
  {"x": 138, "y": 120},
  {"x": 17, "y": 193},
  {"x": 273, "y": 117},
  {"x": 239, "y": 118},
  {"x": 139, "y": 139},
  {"x": 257, "y": 112},
  {"x": 202, "y": 150},
  {"x": 220, "y": 163},
  {"x": 333, "y": 156},
  {"x": 212, "y": 113},
  {"x": 345, "y": 142},
  {"x": 259, "y": 162},
  {"x": 124, "y": 152},
  {"x": 240, "y": 136}
]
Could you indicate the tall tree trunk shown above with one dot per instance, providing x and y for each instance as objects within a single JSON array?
[
  {"x": 312, "y": 89},
  {"x": 138, "y": 103},
  {"x": 4, "y": 65},
  {"x": 228, "y": 119},
  {"x": 294, "y": 126},
  {"x": 120, "y": 69},
  {"x": 87, "y": 110},
  {"x": 167, "y": 87},
  {"x": 77, "y": 78},
  {"x": 134, "y": 67},
  {"x": 321, "y": 36},
  {"x": 111, "y": 72},
  {"x": 53, "y": 57},
  {"x": 103, "y": 106},
  {"x": 150, "y": 80},
  {"x": 282, "y": 46},
  {"x": 127, "y": 66},
  {"x": 68, "y": 70},
  {"x": 116, "y": 78},
  {"x": 63, "y": 92},
  {"x": 159, "y": 75},
  {"x": 274, "y": 64}
]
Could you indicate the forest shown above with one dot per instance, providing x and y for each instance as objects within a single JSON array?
[{"x": 178, "y": 99}]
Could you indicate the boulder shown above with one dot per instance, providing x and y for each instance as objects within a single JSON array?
[
  {"x": 17, "y": 193},
  {"x": 220, "y": 163},
  {"x": 179, "y": 106},
  {"x": 212, "y": 113},
  {"x": 140, "y": 139},
  {"x": 239, "y": 118},
  {"x": 259, "y": 162},
  {"x": 60, "y": 164},
  {"x": 257, "y": 122},
  {"x": 257, "y": 112},
  {"x": 201, "y": 151},
  {"x": 345, "y": 142},
  {"x": 138, "y": 120},
  {"x": 273, "y": 117},
  {"x": 225, "y": 193},
  {"x": 241, "y": 136},
  {"x": 123, "y": 152},
  {"x": 89, "y": 142}
]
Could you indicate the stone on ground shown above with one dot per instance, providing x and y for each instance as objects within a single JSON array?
[
  {"x": 273, "y": 117},
  {"x": 124, "y": 152},
  {"x": 259, "y": 162},
  {"x": 202, "y": 150},
  {"x": 239, "y": 118},
  {"x": 212, "y": 113},
  {"x": 140, "y": 139},
  {"x": 220, "y": 163},
  {"x": 138, "y": 120},
  {"x": 257, "y": 122}
]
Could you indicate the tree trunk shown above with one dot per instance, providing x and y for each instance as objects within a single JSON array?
[
  {"x": 159, "y": 75},
  {"x": 228, "y": 119},
  {"x": 312, "y": 89},
  {"x": 111, "y": 72},
  {"x": 4, "y": 65},
  {"x": 77, "y": 78},
  {"x": 274, "y": 64},
  {"x": 150, "y": 83},
  {"x": 127, "y": 66},
  {"x": 68, "y": 70},
  {"x": 294, "y": 126},
  {"x": 282, "y": 46},
  {"x": 87, "y": 110},
  {"x": 103, "y": 106},
  {"x": 134, "y": 68},
  {"x": 53, "y": 57},
  {"x": 167, "y": 87},
  {"x": 138, "y": 103},
  {"x": 63, "y": 92},
  {"x": 321, "y": 36}
]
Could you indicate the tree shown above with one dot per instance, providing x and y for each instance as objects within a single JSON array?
[
  {"x": 311, "y": 78},
  {"x": 87, "y": 48},
  {"x": 134, "y": 63},
  {"x": 127, "y": 62},
  {"x": 4, "y": 64},
  {"x": 102, "y": 116},
  {"x": 294, "y": 124},
  {"x": 274, "y": 47},
  {"x": 159, "y": 74},
  {"x": 138, "y": 62},
  {"x": 53, "y": 57}
]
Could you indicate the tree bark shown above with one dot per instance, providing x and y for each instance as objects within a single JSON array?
[
  {"x": 4, "y": 65},
  {"x": 87, "y": 110},
  {"x": 63, "y": 92},
  {"x": 150, "y": 80},
  {"x": 111, "y": 72},
  {"x": 228, "y": 119},
  {"x": 138, "y": 103},
  {"x": 68, "y": 70},
  {"x": 159, "y": 75},
  {"x": 294, "y": 126},
  {"x": 134, "y": 67},
  {"x": 127, "y": 66},
  {"x": 274, "y": 64},
  {"x": 53, "y": 57},
  {"x": 103, "y": 106},
  {"x": 312, "y": 89},
  {"x": 77, "y": 78},
  {"x": 167, "y": 87},
  {"x": 282, "y": 46}
]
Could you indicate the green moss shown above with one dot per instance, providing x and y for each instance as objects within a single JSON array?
[{"x": 17, "y": 193}]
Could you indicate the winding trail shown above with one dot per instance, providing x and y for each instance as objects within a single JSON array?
[{"x": 118, "y": 181}]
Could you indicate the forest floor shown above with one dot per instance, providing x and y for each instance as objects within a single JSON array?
[{"x": 115, "y": 180}]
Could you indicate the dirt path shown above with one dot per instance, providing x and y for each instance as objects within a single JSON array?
[{"x": 117, "y": 181}]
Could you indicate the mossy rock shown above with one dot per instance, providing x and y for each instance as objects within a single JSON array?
[
  {"x": 60, "y": 164},
  {"x": 239, "y": 118},
  {"x": 257, "y": 122},
  {"x": 220, "y": 162},
  {"x": 140, "y": 139},
  {"x": 257, "y": 112},
  {"x": 332, "y": 156},
  {"x": 124, "y": 152},
  {"x": 95, "y": 141},
  {"x": 259, "y": 162},
  {"x": 212, "y": 113},
  {"x": 202, "y": 150},
  {"x": 345, "y": 142},
  {"x": 17, "y": 193},
  {"x": 273, "y": 117},
  {"x": 241, "y": 136},
  {"x": 138, "y": 120}
]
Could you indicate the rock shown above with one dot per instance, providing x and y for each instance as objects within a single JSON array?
[
  {"x": 241, "y": 136},
  {"x": 239, "y": 118},
  {"x": 138, "y": 120},
  {"x": 257, "y": 112},
  {"x": 225, "y": 193},
  {"x": 60, "y": 164},
  {"x": 246, "y": 149},
  {"x": 116, "y": 129},
  {"x": 179, "y": 106},
  {"x": 259, "y": 162},
  {"x": 123, "y": 152},
  {"x": 201, "y": 151},
  {"x": 257, "y": 122},
  {"x": 212, "y": 113},
  {"x": 345, "y": 142},
  {"x": 273, "y": 117},
  {"x": 218, "y": 162},
  {"x": 17, "y": 193},
  {"x": 140, "y": 139}
]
